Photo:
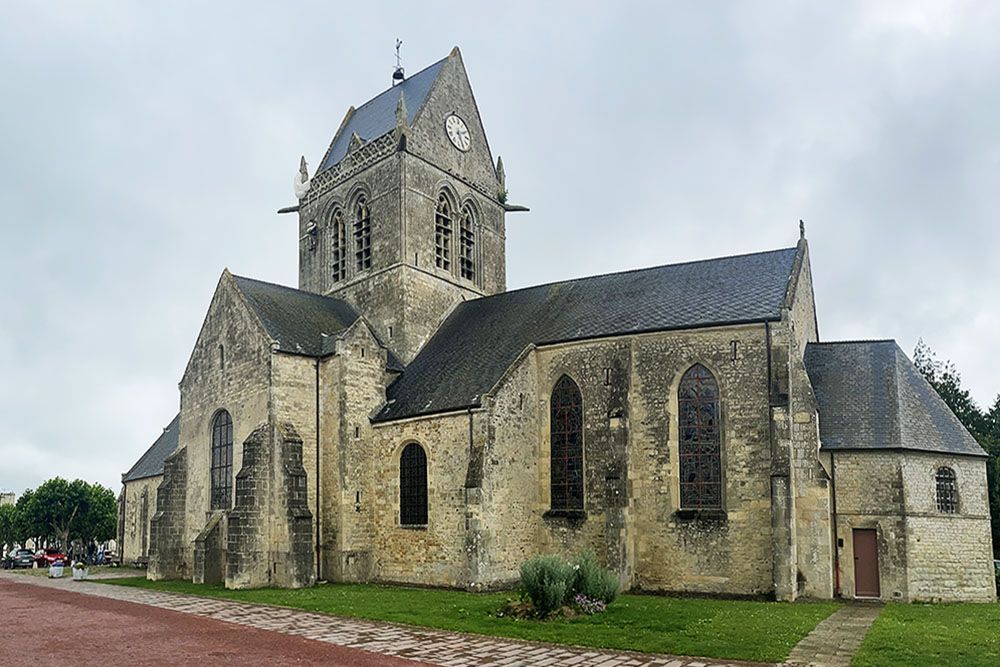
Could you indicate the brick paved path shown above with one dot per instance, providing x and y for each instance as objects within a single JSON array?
[
  {"x": 835, "y": 640},
  {"x": 433, "y": 646}
]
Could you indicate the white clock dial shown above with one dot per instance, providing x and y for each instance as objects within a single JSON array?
[{"x": 458, "y": 132}]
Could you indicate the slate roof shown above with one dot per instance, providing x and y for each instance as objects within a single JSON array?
[
  {"x": 378, "y": 115},
  {"x": 297, "y": 319},
  {"x": 301, "y": 322},
  {"x": 871, "y": 396},
  {"x": 481, "y": 338},
  {"x": 150, "y": 464}
]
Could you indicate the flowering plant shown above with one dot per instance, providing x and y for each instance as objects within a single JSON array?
[{"x": 589, "y": 606}]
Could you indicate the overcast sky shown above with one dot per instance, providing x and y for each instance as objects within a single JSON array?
[{"x": 146, "y": 146}]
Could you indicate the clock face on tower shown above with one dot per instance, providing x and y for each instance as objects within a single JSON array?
[{"x": 458, "y": 132}]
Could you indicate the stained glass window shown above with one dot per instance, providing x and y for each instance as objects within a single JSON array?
[
  {"x": 467, "y": 242},
  {"x": 413, "y": 486},
  {"x": 566, "y": 437},
  {"x": 222, "y": 461},
  {"x": 442, "y": 233},
  {"x": 338, "y": 247},
  {"x": 362, "y": 235},
  {"x": 699, "y": 448},
  {"x": 947, "y": 490}
]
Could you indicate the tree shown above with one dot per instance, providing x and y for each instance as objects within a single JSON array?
[
  {"x": 983, "y": 425},
  {"x": 25, "y": 523},
  {"x": 7, "y": 535},
  {"x": 67, "y": 511}
]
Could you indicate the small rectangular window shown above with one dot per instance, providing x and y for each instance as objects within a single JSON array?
[{"x": 735, "y": 349}]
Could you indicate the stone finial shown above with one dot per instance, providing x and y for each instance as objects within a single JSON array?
[
  {"x": 402, "y": 124},
  {"x": 500, "y": 175},
  {"x": 802, "y": 229},
  {"x": 302, "y": 182}
]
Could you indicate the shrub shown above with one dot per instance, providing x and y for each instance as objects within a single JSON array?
[
  {"x": 593, "y": 581},
  {"x": 547, "y": 581}
]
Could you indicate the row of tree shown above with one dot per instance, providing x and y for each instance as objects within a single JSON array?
[
  {"x": 60, "y": 512},
  {"x": 983, "y": 424}
]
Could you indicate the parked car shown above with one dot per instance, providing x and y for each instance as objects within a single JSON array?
[
  {"x": 18, "y": 558},
  {"x": 50, "y": 556}
]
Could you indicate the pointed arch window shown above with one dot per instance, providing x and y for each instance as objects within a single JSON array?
[
  {"x": 413, "y": 486},
  {"x": 362, "y": 235},
  {"x": 338, "y": 247},
  {"x": 700, "y": 450},
  {"x": 946, "y": 487},
  {"x": 442, "y": 233},
  {"x": 566, "y": 438},
  {"x": 222, "y": 461},
  {"x": 467, "y": 243}
]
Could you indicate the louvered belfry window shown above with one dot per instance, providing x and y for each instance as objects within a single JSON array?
[
  {"x": 338, "y": 247},
  {"x": 946, "y": 490},
  {"x": 413, "y": 486},
  {"x": 222, "y": 461},
  {"x": 362, "y": 235},
  {"x": 467, "y": 243},
  {"x": 566, "y": 439},
  {"x": 700, "y": 450},
  {"x": 442, "y": 234}
]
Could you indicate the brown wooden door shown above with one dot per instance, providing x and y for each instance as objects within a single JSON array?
[{"x": 866, "y": 583}]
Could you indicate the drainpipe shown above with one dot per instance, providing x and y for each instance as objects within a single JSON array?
[
  {"x": 836, "y": 537},
  {"x": 319, "y": 565}
]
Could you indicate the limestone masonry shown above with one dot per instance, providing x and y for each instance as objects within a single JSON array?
[{"x": 401, "y": 417}]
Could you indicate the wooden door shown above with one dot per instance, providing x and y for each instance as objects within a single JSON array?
[{"x": 866, "y": 584}]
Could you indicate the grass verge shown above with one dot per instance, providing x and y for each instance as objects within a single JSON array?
[
  {"x": 733, "y": 629},
  {"x": 939, "y": 634}
]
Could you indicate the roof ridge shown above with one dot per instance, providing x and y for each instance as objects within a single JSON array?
[
  {"x": 857, "y": 341},
  {"x": 289, "y": 288},
  {"x": 627, "y": 271}
]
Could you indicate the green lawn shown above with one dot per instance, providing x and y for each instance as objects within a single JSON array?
[
  {"x": 941, "y": 634},
  {"x": 746, "y": 630}
]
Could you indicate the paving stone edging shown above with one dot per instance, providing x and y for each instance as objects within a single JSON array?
[{"x": 449, "y": 649}]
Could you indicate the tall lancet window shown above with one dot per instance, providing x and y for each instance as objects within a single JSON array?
[
  {"x": 338, "y": 247},
  {"x": 700, "y": 450},
  {"x": 413, "y": 486},
  {"x": 566, "y": 441},
  {"x": 467, "y": 244},
  {"x": 222, "y": 461},
  {"x": 442, "y": 233},
  {"x": 362, "y": 235}
]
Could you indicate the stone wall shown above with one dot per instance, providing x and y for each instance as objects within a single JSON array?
[
  {"x": 139, "y": 507},
  {"x": 238, "y": 383},
  {"x": 632, "y": 522},
  {"x": 432, "y": 554},
  {"x": 949, "y": 556},
  {"x": 924, "y": 554},
  {"x": 869, "y": 490}
]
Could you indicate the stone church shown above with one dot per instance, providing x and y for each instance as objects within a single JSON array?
[{"x": 401, "y": 416}]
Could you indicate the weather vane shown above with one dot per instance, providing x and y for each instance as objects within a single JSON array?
[{"x": 397, "y": 75}]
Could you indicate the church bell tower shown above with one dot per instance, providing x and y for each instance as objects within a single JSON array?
[{"x": 404, "y": 217}]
